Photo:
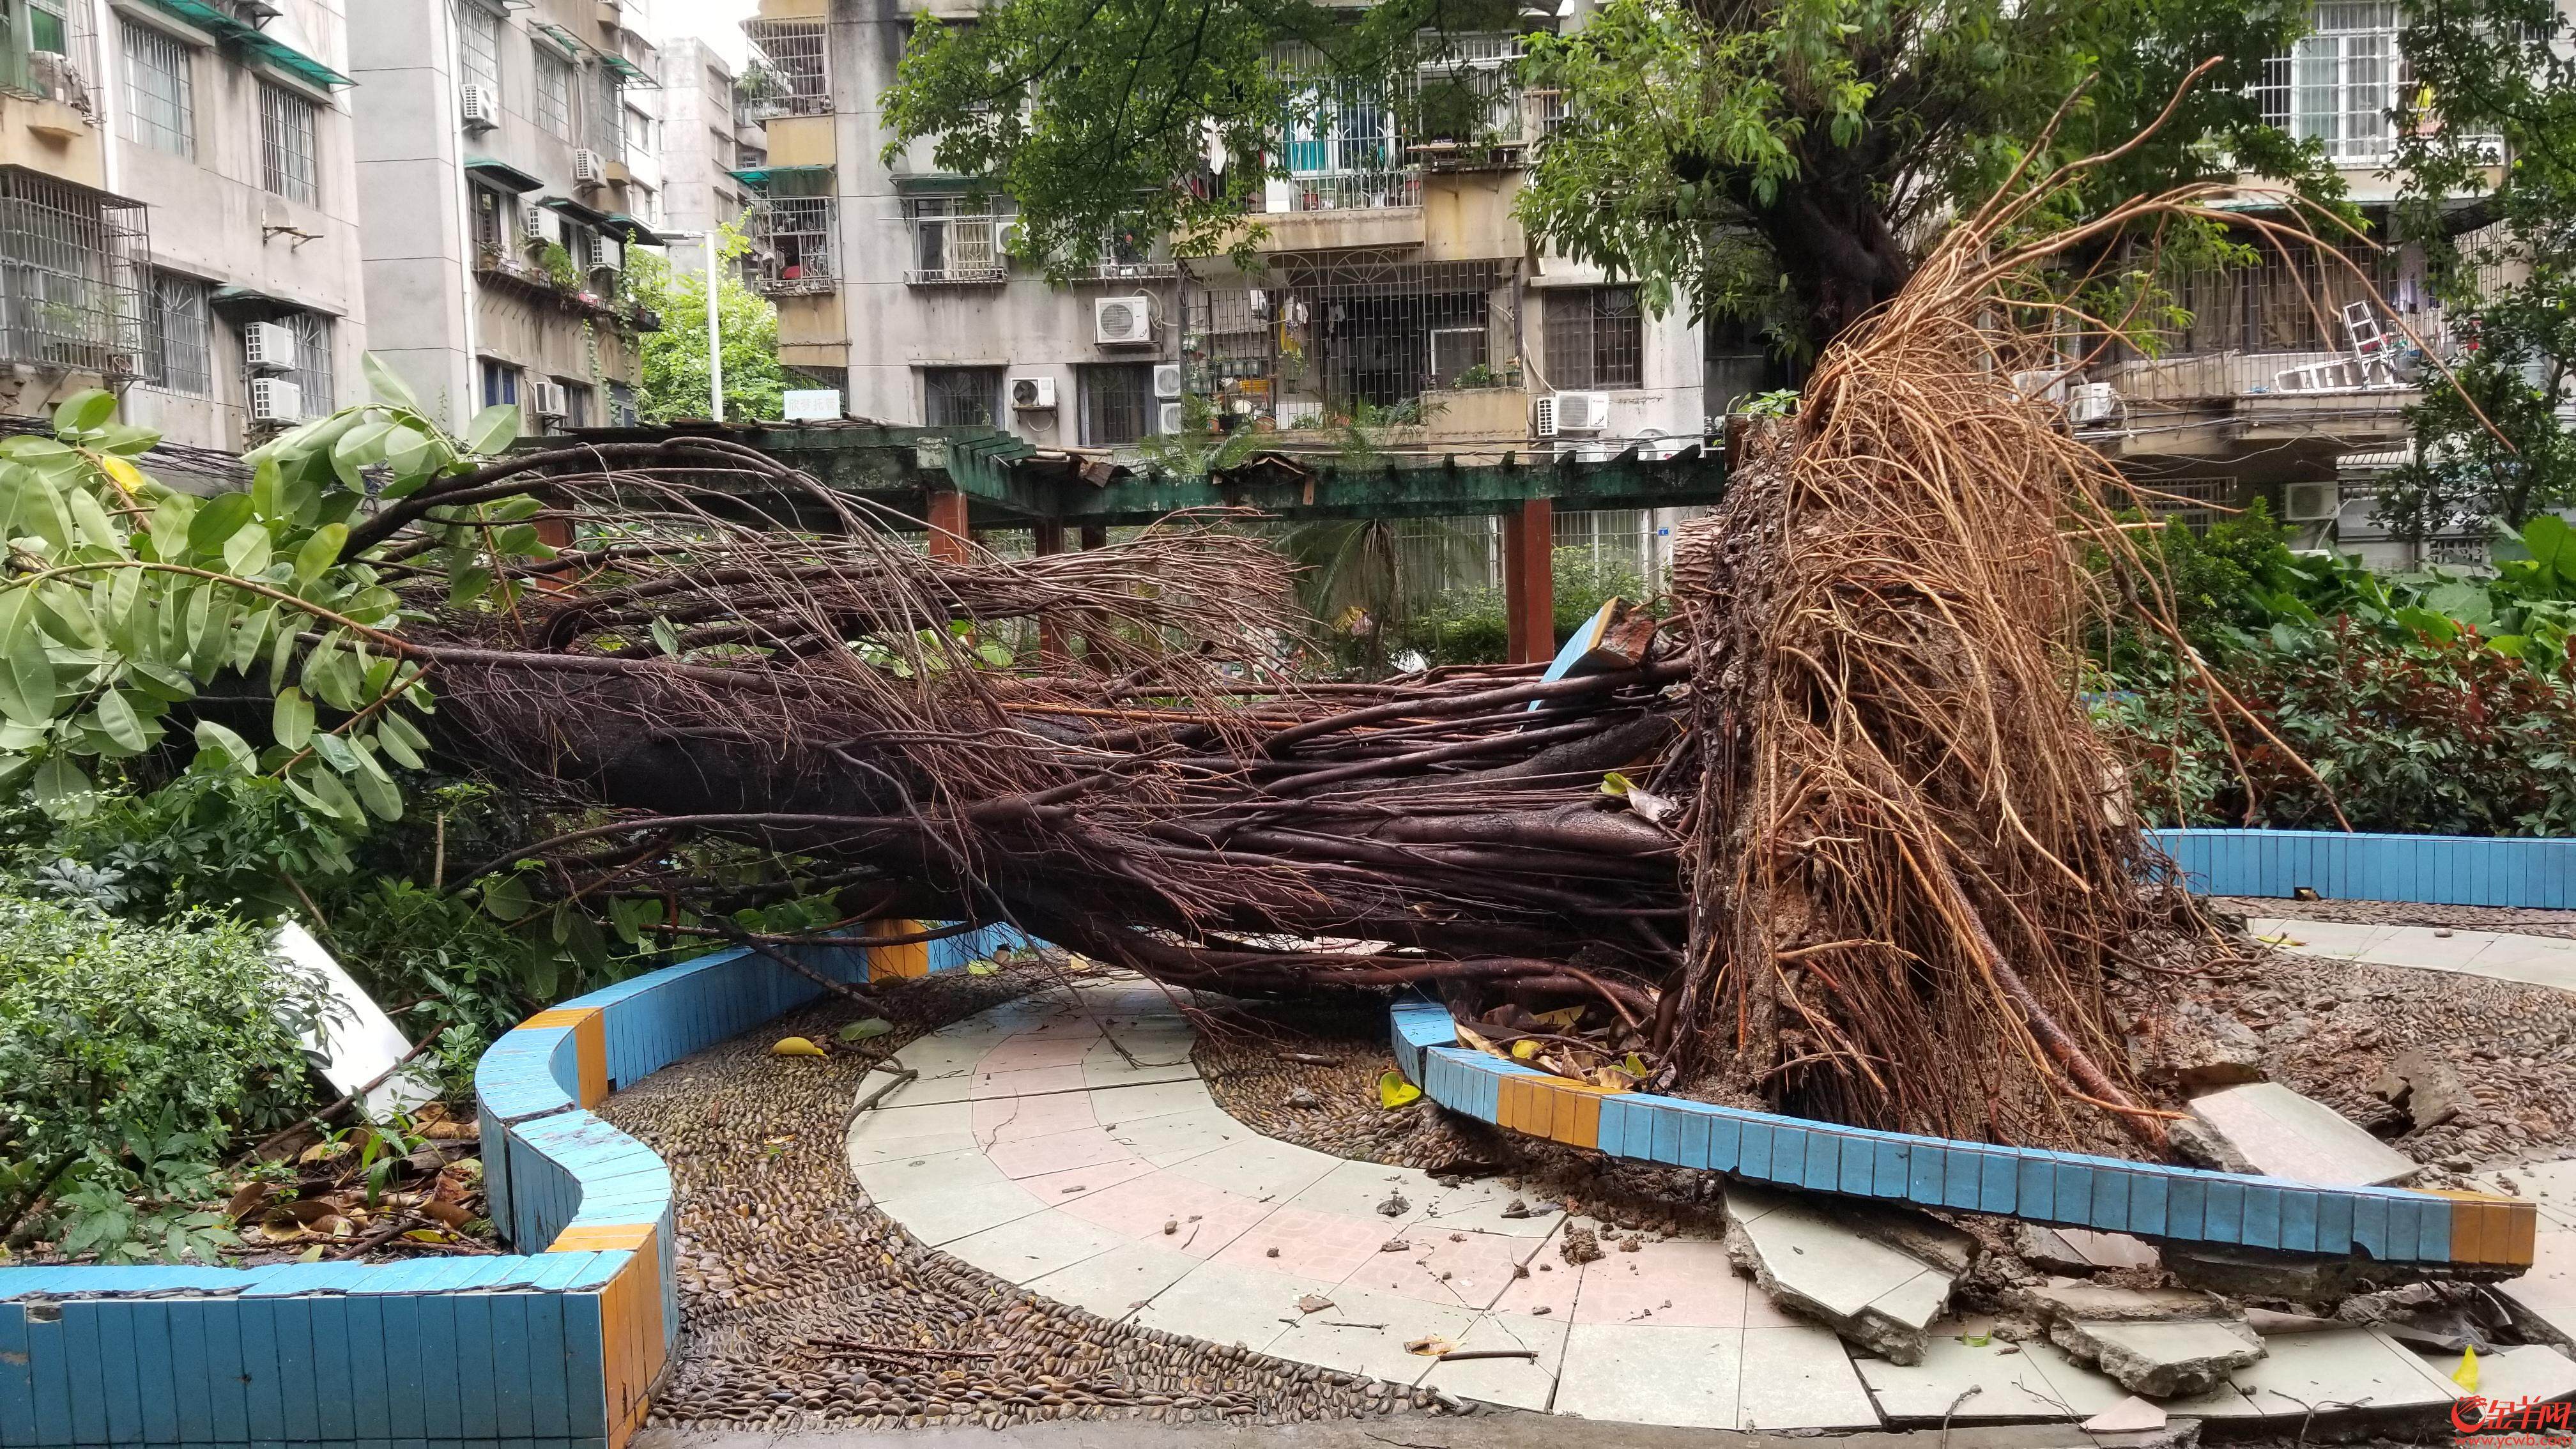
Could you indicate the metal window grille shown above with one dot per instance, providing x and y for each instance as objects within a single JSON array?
[
  {"x": 312, "y": 374},
  {"x": 178, "y": 353},
  {"x": 2272, "y": 92},
  {"x": 1611, "y": 541},
  {"x": 606, "y": 126},
  {"x": 1339, "y": 330},
  {"x": 2279, "y": 303},
  {"x": 623, "y": 411},
  {"x": 287, "y": 144},
  {"x": 1596, "y": 338},
  {"x": 2195, "y": 503},
  {"x": 1439, "y": 556},
  {"x": 554, "y": 92},
  {"x": 482, "y": 46},
  {"x": 2459, "y": 552},
  {"x": 49, "y": 52},
  {"x": 960, "y": 397},
  {"x": 1117, "y": 403},
  {"x": 789, "y": 74},
  {"x": 952, "y": 243},
  {"x": 795, "y": 237},
  {"x": 2344, "y": 79},
  {"x": 74, "y": 281},
  {"x": 160, "y": 91}
]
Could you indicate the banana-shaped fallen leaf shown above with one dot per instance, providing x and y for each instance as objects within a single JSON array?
[
  {"x": 1524, "y": 1049},
  {"x": 796, "y": 1046},
  {"x": 1394, "y": 1091}
]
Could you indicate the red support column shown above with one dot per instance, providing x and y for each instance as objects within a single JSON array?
[
  {"x": 948, "y": 530},
  {"x": 1529, "y": 580},
  {"x": 1051, "y": 650}
]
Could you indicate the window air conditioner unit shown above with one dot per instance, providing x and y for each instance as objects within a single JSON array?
[
  {"x": 605, "y": 255},
  {"x": 1169, "y": 418},
  {"x": 269, "y": 347},
  {"x": 1032, "y": 394},
  {"x": 539, "y": 223},
  {"x": 1122, "y": 321},
  {"x": 2311, "y": 502},
  {"x": 2092, "y": 402},
  {"x": 589, "y": 168},
  {"x": 547, "y": 399},
  {"x": 479, "y": 108},
  {"x": 1167, "y": 380},
  {"x": 275, "y": 400},
  {"x": 1570, "y": 412}
]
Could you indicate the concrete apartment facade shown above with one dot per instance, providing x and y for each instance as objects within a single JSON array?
[
  {"x": 180, "y": 216},
  {"x": 703, "y": 145},
  {"x": 503, "y": 173}
]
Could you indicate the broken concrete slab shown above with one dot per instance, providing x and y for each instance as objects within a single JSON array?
[
  {"x": 2160, "y": 1359},
  {"x": 2191, "y": 1046},
  {"x": 1814, "y": 1264},
  {"x": 2067, "y": 1300},
  {"x": 2427, "y": 1089},
  {"x": 2279, "y": 1133},
  {"x": 2079, "y": 1250}
]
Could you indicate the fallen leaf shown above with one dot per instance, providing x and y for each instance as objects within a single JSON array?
[
  {"x": 862, "y": 1030},
  {"x": 447, "y": 1213},
  {"x": 1313, "y": 1303},
  {"x": 1563, "y": 1018},
  {"x": 310, "y": 1255},
  {"x": 1650, "y": 807},
  {"x": 979, "y": 968},
  {"x": 1615, "y": 783},
  {"x": 1394, "y": 1091},
  {"x": 796, "y": 1046},
  {"x": 248, "y": 1199},
  {"x": 1524, "y": 1049},
  {"x": 1430, "y": 1346},
  {"x": 428, "y": 1235},
  {"x": 1469, "y": 1037}
]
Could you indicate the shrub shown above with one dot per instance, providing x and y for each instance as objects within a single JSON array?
[{"x": 130, "y": 1058}]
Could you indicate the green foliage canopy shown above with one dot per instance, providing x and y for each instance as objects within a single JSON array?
[{"x": 675, "y": 358}]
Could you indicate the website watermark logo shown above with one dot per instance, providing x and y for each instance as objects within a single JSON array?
[{"x": 2511, "y": 1423}]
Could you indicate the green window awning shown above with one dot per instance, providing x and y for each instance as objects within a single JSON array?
[
  {"x": 502, "y": 173},
  {"x": 628, "y": 71},
  {"x": 259, "y": 44},
  {"x": 630, "y": 231},
  {"x": 761, "y": 178},
  {"x": 574, "y": 209}
]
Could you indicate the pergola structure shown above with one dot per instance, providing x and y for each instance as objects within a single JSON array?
[{"x": 957, "y": 482}]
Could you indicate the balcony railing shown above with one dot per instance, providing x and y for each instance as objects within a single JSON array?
[
  {"x": 1353, "y": 190},
  {"x": 73, "y": 272}
]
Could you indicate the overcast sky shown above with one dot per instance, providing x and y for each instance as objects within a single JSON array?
[{"x": 717, "y": 22}]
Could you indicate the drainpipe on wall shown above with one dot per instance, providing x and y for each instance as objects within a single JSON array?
[
  {"x": 469, "y": 397},
  {"x": 110, "y": 44}
]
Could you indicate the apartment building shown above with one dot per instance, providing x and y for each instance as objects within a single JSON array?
[
  {"x": 178, "y": 214},
  {"x": 507, "y": 162},
  {"x": 2292, "y": 380},
  {"x": 1396, "y": 284},
  {"x": 704, "y": 144}
]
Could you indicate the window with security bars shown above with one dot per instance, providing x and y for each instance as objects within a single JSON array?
[
  {"x": 554, "y": 92},
  {"x": 287, "y": 144},
  {"x": 2342, "y": 80},
  {"x": 312, "y": 372},
  {"x": 1596, "y": 338},
  {"x": 481, "y": 43},
  {"x": 795, "y": 236},
  {"x": 160, "y": 91},
  {"x": 75, "y": 288},
  {"x": 2195, "y": 503},
  {"x": 961, "y": 397},
  {"x": 954, "y": 239},
  {"x": 788, "y": 74},
  {"x": 1117, "y": 403},
  {"x": 2290, "y": 299},
  {"x": 178, "y": 336}
]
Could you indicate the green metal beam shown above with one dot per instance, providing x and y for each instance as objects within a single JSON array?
[{"x": 1011, "y": 484}]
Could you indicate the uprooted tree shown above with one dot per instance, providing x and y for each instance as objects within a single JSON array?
[{"x": 1839, "y": 838}]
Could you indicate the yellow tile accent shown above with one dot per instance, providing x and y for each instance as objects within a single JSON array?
[
  {"x": 558, "y": 1016},
  {"x": 602, "y": 1238},
  {"x": 898, "y": 961},
  {"x": 589, "y": 1047},
  {"x": 630, "y": 1330},
  {"x": 2490, "y": 1230}
]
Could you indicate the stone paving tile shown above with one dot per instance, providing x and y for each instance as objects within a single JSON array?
[
  {"x": 2528, "y": 1371},
  {"x": 2553, "y": 1186},
  {"x": 863, "y": 1151},
  {"x": 2287, "y": 1135},
  {"x": 1550, "y": 1285},
  {"x": 1517, "y": 1383},
  {"x": 1328, "y": 1246},
  {"x": 921, "y": 1091},
  {"x": 1035, "y": 1082},
  {"x": 1177, "y": 1137},
  {"x": 1117, "y": 1106},
  {"x": 891, "y": 1124},
  {"x": 1385, "y": 1323},
  {"x": 1059, "y": 1188},
  {"x": 1478, "y": 1207},
  {"x": 1476, "y": 1268},
  {"x": 1798, "y": 1378},
  {"x": 900, "y": 1176},
  {"x": 1359, "y": 1189},
  {"x": 1680, "y": 1376},
  {"x": 1261, "y": 1168},
  {"x": 1116, "y": 1283},
  {"x": 1225, "y": 1303},
  {"x": 2010, "y": 1381},
  {"x": 1021, "y": 1157},
  {"x": 2357, "y": 1366},
  {"x": 1001, "y": 1119},
  {"x": 941, "y": 1215},
  {"x": 1207, "y": 1218},
  {"x": 1035, "y": 1245},
  {"x": 1686, "y": 1282}
]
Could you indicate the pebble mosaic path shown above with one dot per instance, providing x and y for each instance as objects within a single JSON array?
[{"x": 1066, "y": 1143}]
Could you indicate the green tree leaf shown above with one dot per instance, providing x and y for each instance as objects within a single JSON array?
[
  {"x": 320, "y": 551},
  {"x": 291, "y": 718},
  {"x": 118, "y": 721},
  {"x": 387, "y": 386},
  {"x": 85, "y": 411},
  {"x": 216, "y": 521},
  {"x": 221, "y": 748},
  {"x": 493, "y": 429}
]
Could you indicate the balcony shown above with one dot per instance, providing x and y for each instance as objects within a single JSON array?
[
  {"x": 73, "y": 272},
  {"x": 952, "y": 248}
]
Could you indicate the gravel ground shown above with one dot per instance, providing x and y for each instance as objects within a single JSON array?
[
  {"x": 782, "y": 1267},
  {"x": 2406, "y": 913}
]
